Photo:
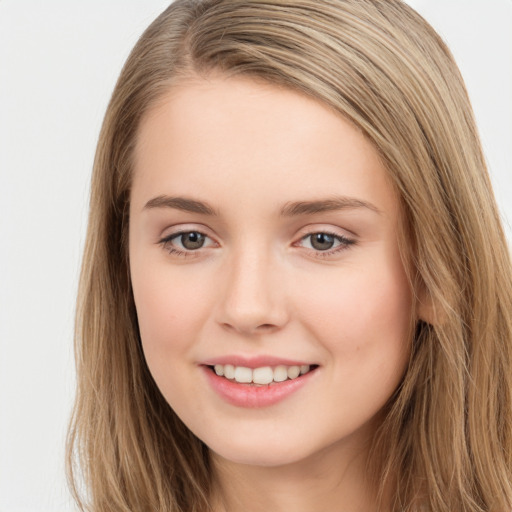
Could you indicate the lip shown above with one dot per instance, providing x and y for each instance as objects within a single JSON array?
[
  {"x": 255, "y": 396},
  {"x": 254, "y": 362}
]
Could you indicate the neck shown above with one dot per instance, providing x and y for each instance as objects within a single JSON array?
[{"x": 334, "y": 479}]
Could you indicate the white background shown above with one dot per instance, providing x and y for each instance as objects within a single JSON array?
[{"x": 58, "y": 64}]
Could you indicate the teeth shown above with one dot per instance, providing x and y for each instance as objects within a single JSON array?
[
  {"x": 243, "y": 375},
  {"x": 229, "y": 371},
  {"x": 280, "y": 373},
  {"x": 293, "y": 372},
  {"x": 263, "y": 375}
]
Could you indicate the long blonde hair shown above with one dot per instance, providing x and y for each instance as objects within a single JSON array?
[{"x": 446, "y": 440}]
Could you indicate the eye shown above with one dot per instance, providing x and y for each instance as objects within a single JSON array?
[
  {"x": 321, "y": 241},
  {"x": 191, "y": 240},
  {"x": 325, "y": 243},
  {"x": 184, "y": 242}
]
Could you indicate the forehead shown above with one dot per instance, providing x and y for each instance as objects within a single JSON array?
[{"x": 238, "y": 135}]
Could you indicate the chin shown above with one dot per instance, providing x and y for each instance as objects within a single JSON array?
[
  {"x": 258, "y": 458},
  {"x": 273, "y": 453}
]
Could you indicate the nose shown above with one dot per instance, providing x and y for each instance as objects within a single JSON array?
[{"x": 253, "y": 300}]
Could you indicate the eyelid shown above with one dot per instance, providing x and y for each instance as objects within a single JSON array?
[
  {"x": 345, "y": 241},
  {"x": 328, "y": 228},
  {"x": 178, "y": 229},
  {"x": 174, "y": 232}
]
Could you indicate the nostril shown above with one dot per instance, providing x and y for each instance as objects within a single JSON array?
[{"x": 262, "y": 328}]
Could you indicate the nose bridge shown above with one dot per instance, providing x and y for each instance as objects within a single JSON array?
[{"x": 253, "y": 300}]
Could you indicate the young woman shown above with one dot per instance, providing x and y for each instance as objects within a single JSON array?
[{"x": 296, "y": 291}]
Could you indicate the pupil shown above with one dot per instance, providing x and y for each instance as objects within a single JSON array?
[
  {"x": 192, "y": 240},
  {"x": 322, "y": 241}
]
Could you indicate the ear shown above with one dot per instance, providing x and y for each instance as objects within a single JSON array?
[
  {"x": 426, "y": 311},
  {"x": 425, "y": 306}
]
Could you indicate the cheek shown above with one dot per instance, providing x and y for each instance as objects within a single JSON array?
[
  {"x": 171, "y": 310},
  {"x": 363, "y": 319},
  {"x": 365, "y": 329}
]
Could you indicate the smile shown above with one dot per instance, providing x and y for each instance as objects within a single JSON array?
[
  {"x": 260, "y": 376},
  {"x": 259, "y": 386}
]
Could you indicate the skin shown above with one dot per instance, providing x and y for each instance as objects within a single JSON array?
[{"x": 259, "y": 287}]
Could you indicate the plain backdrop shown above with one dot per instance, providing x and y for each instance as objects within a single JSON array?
[{"x": 58, "y": 64}]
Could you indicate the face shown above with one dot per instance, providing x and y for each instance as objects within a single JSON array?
[{"x": 263, "y": 244}]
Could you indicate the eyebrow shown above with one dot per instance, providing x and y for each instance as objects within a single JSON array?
[
  {"x": 289, "y": 209},
  {"x": 325, "y": 205},
  {"x": 180, "y": 203}
]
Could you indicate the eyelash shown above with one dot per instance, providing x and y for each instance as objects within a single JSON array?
[
  {"x": 166, "y": 243},
  {"x": 344, "y": 243}
]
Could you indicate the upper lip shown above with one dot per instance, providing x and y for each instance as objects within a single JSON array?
[{"x": 254, "y": 361}]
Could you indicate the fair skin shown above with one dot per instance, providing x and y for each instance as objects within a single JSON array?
[{"x": 263, "y": 233}]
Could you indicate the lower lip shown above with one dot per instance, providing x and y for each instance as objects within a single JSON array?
[{"x": 253, "y": 396}]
